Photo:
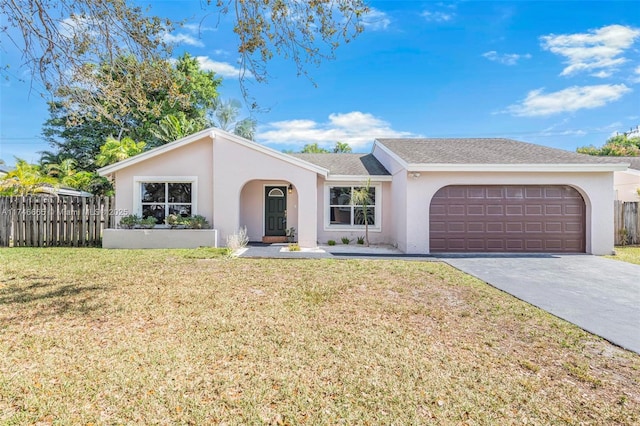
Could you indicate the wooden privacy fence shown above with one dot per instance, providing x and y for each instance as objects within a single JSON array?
[
  {"x": 627, "y": 222},
  {"x": 48, "y": 221}
]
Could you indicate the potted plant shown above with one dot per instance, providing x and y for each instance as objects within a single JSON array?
[
  {"x": 129, "y": 221},
  {"x": 291, "y": 234},
  {"x": 198, "y": 222},
  {"x": 147, "y": 223}
]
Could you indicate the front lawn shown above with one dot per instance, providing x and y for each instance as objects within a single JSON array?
[
  {"x": 188, "y": 337},
  {"x": 629, "y": 254}
]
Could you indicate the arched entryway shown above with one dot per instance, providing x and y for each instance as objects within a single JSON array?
[{"x": 268, "y": 209}]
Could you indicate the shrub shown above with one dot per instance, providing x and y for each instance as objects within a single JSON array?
[
  {"x": 238, "y": 240},
  {"x": 198, "y": 222},
  {"x": 331, "y": 242},
  {"x": 345, "y": 240},
  {"x": 129, "y": 221},
  {"x": 147, "y": 223},
  {"x": 294, "y": 247},
  {"x": 361, "y": 240}
]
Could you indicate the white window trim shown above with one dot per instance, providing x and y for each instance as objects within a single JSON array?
[
  {"x": 342, "y": 228},
  {"x": 139, "y": 180}
]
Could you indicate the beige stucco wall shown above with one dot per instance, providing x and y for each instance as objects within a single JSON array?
[
  {"x": 397, "y": 197},
  {"x": 236, "y": 166},
  {"x": 384, "y": 234},
  {"x": 626, "y": 185},
  {"x": 595, "y": 188},
  {"x": 183, "y": 161}
]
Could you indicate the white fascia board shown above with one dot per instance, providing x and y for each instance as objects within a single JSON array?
[
  {"x": 377, "y": 143},
  {"x": 273, "y": 153},
  {"x": 351, "y": 178},
  {"x": 631, "y": 171},
  {"x": 601, "y": 167},
  {"x": 107, "y": 170}
]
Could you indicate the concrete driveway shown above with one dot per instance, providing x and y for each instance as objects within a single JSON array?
[{"x": 597, "y": 294}]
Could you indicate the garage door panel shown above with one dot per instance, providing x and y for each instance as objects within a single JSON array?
[
  {"x": 508, "y": 218},
  {"x": 514, "y": 210}
]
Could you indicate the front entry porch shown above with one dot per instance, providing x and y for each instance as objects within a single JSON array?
[{"x": 269, "y": 209}]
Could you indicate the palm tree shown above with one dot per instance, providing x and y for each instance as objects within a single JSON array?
[
  {"x": 25, "y": 179},
  {"x": 342, "y": 148},
  {"x": 362, "y": 197},
  {"x": 176, "y": 126},
  {"x": 61, "y": 170},
  {"x": 115, "y": 150},
  {"x": 224, "y": 115}
]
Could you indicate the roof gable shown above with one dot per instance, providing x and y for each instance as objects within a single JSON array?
[{"x": 211, "y": 133}]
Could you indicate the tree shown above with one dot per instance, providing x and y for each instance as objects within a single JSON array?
[
  {"x": 25, "y": 179},
  {"x": 176, "y": 126},
  {"x": 313, "y": 148},
  {"x": 65, "y": 38},
  {"x": 117, "y": 150},
  {"x": 362, "y": 197},
  {"x": 77, "y": 127},
  {"x": 342, "y": 148},
  {"x": 615, "y": 146},
  {"x": 224, "y": 115}
]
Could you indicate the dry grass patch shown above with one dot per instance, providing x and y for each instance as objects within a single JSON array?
[
  {"x": 629, "y": 254},
  {"x": 174, "y": 337}
]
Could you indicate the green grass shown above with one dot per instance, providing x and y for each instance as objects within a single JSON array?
[
  {"x": 197, "y": 337},
  {"x": 629, "y": 254}
]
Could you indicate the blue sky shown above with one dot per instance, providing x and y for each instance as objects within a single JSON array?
[{"x": 562, "y": 74}]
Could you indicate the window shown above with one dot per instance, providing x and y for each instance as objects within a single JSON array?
[
  {"x": 342, "y": 213},
  {"x": 160, "y": 199}
]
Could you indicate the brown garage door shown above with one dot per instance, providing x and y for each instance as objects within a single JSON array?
[{"x": 509, "y": 218}]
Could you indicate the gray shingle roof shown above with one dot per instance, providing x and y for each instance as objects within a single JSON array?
[
  {"x": 482, "y": 151},
  {"x": 346, "y": 164}
]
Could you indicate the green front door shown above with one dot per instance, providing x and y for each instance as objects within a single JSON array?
[{"x": 275, "y": 210}]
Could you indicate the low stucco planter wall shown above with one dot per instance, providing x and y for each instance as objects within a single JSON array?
[{"x": 159, "y": 238}]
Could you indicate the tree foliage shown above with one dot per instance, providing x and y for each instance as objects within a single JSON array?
[
  {"x": 338, "y": 148},
  {"x": 225, "y": 115},
  {"x": 64, "y": 39},
  {"x": 117, "y": 150},
  {"x": 615, "y": 146},
  {"x": 77, "y": 127},
  {"x": 314, "y": 148},
  {"x": 25, "y": 179},
  {"x": 342, "y": 148}
]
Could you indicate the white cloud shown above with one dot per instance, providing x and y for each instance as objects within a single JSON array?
[
  {"x": 223, "y": 69},
  {"x": 356, "y": 128},
  {"x": 437, "y": 16},
  {"x": 571, "y": 99},
  {"x": 596, "y": 50},
  {"x": 376, "y": 20},
  {"x": 505, "y": 58},
  {"x": 182, "y": 39},
  {"x": 197, "y": 28}
]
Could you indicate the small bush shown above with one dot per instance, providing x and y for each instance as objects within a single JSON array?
[
  {"x": 198, "y": 222},
  {"x": 128, "y": 222},
  {"x": 294, "y": 247},
  {"x": 331, "y": 242},
  {"x": 238, "y": 240},
  {"x": 360, "y": 240},
  {"x": 147, "y": 223},
  {"x": 345, "y": 240}
]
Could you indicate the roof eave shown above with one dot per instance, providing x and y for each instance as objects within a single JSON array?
[
  {"x": 373, "y": 178},
  {"x": 601, "y": 167}
]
